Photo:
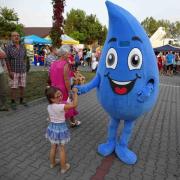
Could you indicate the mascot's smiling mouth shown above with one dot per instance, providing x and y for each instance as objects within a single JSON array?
[{"x": 122, "y": 87}]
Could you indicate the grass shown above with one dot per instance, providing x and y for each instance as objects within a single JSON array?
[
  {"x": 36, "y": 83},
  {"x": 88, "y": 75}
]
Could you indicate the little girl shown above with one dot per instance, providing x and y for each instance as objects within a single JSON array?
[{"x": 57, "y": 131}]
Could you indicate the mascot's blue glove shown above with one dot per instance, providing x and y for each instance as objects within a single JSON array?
[
  {"x": 81, "y": 89},
  {"x": 145, "y": 93}
]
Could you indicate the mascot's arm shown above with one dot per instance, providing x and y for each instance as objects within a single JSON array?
[
  {"x": 82, "y": 89},
  {"x": 145, "y": 93}
]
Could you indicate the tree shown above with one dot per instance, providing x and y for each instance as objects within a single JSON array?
[
  {"x": 177, "y": 29},
  {"x": 9, "y": 22},
  {"x": 85, "y": 28},
  {"x": 75, "y": 23},
  {"x": 93, "y": 29},
  {"x": 174, "y": 29},
  {"x": 58, "y": 22},
  {"x": 102, "y": 36},
  {"x": 151, "y": 25}
]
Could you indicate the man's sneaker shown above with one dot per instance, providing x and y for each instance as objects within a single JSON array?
[{"x": 13, "y": 106}]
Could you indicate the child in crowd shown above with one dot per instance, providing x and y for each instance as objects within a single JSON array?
[
  {"x": 160, "y": 63},
  {"x": 57, "y": 131}
]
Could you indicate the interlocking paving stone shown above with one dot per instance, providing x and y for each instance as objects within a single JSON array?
[{"x": 156, "y": 140}]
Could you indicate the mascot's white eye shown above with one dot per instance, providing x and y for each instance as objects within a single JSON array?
[
  {"x": 111, "y": 58},
  {"x": 135, "y": 59}
]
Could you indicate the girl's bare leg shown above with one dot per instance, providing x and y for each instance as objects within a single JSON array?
[
  {"x": 63, "y": 160},
  {"x": 62, "y": 157},
  {"x": 52, "y": 155}
]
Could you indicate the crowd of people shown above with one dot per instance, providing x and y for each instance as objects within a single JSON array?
[
  {"x": 168, "y": 63},
  {"x": 79, "y": 57}
]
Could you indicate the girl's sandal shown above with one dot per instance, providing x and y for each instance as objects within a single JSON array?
[
  {"x": 66, "y": 169},
  {"x": 54, "y": 165}
]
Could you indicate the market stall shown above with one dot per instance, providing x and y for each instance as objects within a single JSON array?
[
  {"x": 35, "y": 45},
  {"x": 65, "y": 39}
]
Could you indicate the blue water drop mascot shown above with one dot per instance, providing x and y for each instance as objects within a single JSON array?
[{"x": 126, "y": 80}]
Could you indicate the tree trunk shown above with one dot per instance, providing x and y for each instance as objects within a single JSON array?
[{"x": 58, "y": 22}]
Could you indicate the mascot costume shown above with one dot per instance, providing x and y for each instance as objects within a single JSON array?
[{"x": 126, "y": 80}]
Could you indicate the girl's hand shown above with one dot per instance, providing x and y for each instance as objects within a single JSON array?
[{"x": 75, "y": 90}]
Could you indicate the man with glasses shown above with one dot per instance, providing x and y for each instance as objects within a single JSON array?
[{"x": 16, "y": 64}]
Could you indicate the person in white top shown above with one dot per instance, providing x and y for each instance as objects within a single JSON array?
[
  {"x": 94, "y": 63},
  {"x": 3, "y": 88},
  {"x": 57, "y": 131}
]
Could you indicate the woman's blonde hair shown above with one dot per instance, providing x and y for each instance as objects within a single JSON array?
[{"x": 63, "y": 50}]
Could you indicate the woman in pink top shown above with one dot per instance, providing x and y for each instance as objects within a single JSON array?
[{"x": 60, "y": 75}]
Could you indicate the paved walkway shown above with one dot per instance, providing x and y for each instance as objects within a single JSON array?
[{"x": 156, "y": 140}]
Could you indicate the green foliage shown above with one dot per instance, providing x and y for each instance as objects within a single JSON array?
[
  {"x": 88, "y": 75},
  {"x": 174, "y": 29},
  {"x": 85, "y": 28},
  {"x": 9, "y": 22},
  {"x": 75, "y": 21},
  {"x": 102, "y": 36},
  {"x": 19, "y": 28},
  {"x": 151, "y": 25},
  {"x": 78, "y": 35},
  {"x": 9, "y": 14}
]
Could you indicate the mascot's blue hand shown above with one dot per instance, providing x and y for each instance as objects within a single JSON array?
[
  {"x": 81, "y": 90},
  {"x": 145, "y": 93}
]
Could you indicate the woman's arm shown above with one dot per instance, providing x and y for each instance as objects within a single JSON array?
[{"x": 66, "y": 77}]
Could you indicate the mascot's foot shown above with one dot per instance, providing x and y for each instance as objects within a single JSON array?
[
  {"x": 106, "y": 148},
  {"x": 125, "y": 155}
]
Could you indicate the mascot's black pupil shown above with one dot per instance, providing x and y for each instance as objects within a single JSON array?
[
  {"x": 135, "y": 60},
  {"x": 111, "y": 59}
]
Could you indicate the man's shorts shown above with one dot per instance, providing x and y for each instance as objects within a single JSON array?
[
  {"x": 170, "y": 67},
  {"x": 19, "y": 80}
]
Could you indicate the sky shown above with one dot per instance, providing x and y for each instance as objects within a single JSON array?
[{"x": 38, "y": 13}]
